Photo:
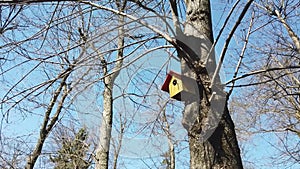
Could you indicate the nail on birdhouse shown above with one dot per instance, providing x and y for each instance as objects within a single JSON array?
[{"x": 179, "y": 87}]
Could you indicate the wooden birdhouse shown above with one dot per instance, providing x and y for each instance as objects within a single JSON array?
[{"x": 179, "y": 86}]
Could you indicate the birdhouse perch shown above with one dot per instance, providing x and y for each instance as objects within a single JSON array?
[{"x": 177, "y": 86}]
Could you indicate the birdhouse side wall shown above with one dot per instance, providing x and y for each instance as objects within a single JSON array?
[{"x": 190, "y": 85}]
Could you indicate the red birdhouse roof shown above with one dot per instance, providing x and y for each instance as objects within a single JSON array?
[{"x": 165, "y": 86}]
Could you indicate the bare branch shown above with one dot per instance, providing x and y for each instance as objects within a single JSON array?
[
  {"x": 242, "y": 54},
  {"x": 138, "y": 20},
  {"x": 228, "y": 39},
  {"x": 290, "y": 31},
  {"x": 262, "y": 71}
]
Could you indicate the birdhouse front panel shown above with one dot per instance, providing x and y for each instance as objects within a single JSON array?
[{"x": 175, "y": 86}]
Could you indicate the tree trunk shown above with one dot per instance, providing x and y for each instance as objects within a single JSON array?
[
  {"x": 102, "y": 152},
  {"x": 48, "y": 122},
  {"x": 212, "y": 139}
]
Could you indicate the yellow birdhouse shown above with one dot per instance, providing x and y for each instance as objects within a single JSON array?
[{"x": 177, "y": 86}]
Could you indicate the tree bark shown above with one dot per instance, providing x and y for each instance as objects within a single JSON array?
[
  {"x": 212, "y": 138},
  {"x": 102, "y": 152}
]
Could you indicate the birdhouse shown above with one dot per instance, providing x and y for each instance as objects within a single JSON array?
[{"x": 178, "y": 86}]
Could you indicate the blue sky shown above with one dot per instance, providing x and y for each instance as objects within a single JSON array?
[{"x": 257, "y": 153}]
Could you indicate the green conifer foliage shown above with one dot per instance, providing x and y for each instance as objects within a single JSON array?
[{"x": 73, "y": 152}]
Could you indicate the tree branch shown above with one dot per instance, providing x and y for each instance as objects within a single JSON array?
[
  {"x": 138, "y": 20},
  {"x": 290, "y": 31},
  {"x": 241, "y": 55},
  {"x": 224, "y": 50},
  {"x": 262, "y": 71}
]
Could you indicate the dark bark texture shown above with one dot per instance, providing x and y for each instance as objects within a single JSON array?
[{"x": 212, "y": 138}]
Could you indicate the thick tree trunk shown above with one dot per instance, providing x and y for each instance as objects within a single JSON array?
[
  {"x": 219, "y": 151},
  {"x": 212, "y": 139}
]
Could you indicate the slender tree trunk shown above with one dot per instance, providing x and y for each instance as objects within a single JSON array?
[
  {"x": 212, "y": 139},
  {"x": 49, "y": 122},
  {"x": 102, "y": 153},
  {"x": 171, "y": 153},
  {"x": 118, "y": 144}
]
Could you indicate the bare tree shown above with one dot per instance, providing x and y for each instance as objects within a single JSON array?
[
  {"x": 102, "y": 154},
  {"x": 85, "y": 43},
  {"x": 269, "y": 99},
  {"x": 69, "y": 36}
]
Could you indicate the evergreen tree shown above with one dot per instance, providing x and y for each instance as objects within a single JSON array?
[{"x": 72, "y": 155}]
